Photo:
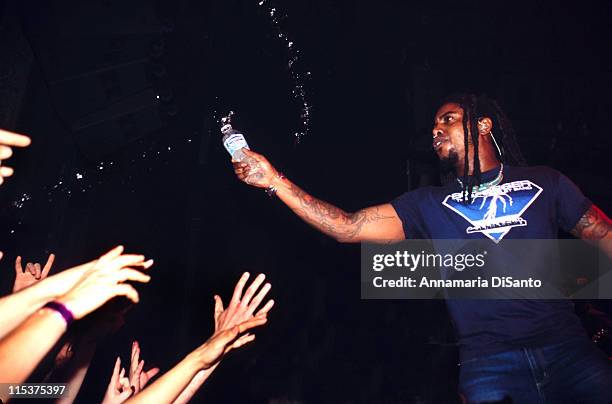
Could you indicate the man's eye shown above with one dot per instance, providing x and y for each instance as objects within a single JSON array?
[{"x": 448, "y": 118}]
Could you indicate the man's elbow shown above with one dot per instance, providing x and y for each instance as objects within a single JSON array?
[{"x": 347, "y": 239}]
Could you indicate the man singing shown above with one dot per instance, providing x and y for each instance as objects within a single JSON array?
[{"x": 530, "y": 351}]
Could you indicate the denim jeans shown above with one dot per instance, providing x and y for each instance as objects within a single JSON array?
[{"x": 574, "y": 371}]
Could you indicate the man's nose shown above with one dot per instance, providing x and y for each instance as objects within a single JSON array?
[{"x": 436, "y": 132}]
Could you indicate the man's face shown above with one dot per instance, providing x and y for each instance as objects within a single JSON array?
[{"x": 448, "y": 141}]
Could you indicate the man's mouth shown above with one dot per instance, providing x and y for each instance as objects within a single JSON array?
[{"x": 437, "y": 142}]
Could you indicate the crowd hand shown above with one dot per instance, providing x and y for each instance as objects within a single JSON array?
[
  {"x": 223, "y": 341},
  {"x": 32, "y": 274},
  {"x": 119, "y": 388},
  {"x": 138, "y": 377},
  {"x": 255, "y": 170},
  {"x": 8, "y": 139},
  {"x": 242, "y": 308},
  {"x": 105, "y": 280}
]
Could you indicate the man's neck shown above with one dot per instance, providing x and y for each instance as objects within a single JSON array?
[{"x": 486, "y": 163}]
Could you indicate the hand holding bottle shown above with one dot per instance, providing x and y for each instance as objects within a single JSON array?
[{"x": 255, "y": 170}]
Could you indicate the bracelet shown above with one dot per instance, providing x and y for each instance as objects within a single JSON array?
[
  {"x": 62, "y": 310},
  {"x": 271, "y": 190}
]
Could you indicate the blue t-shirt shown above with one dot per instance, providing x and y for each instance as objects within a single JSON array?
[{"x": 530, "y": 203}]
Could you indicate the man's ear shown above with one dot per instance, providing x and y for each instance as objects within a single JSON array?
[{"x": 484, "y": 126}]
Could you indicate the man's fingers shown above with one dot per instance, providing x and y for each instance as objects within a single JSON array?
[
  {"x": 264, "y": 310},
  {"x": 114, "y": 253},
  {"x": 130, "y": 274},
  {"x": 245, "y": 339},
  {"x": 30, "y": 268},
  {"x": 13, "y": 139},
  {"x": 124, "y": 395},
  {"x": 48, "y": 265},
  {"x": 151, "y": 373},
  {"x": 258, "y": 298},
  {"x": 115, "y": 375},
  {"x": 218, "y": 308},
  {"x": 37, "y": 270},
  {"x": 144, "y": 265},
  {"x": 6, "y": 171},
  {"x": 126, "y": 260},
  {"x": 134, "y": 357},
  {"x": 252, "y": 323},
  {"x": 18, "y": 267},
  {"x": 124, "y": 289},
  {"x": 238, "y": 289},
  {"x": 250, "y": 292},
  {"x": 5, "y": 152},
  {"x": 251, "y": 153},
  {"x": 139, "y": 369},
  {"x": 124, "y": 384}
]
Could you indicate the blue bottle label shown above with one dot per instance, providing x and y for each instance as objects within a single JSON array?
[{"x": 235, "y": 142}]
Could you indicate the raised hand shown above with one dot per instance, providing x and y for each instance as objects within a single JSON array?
[
  {"x": 242, "y": 308},
  {"x": 119, "y": 388},
  {"x": 223, "y": 341},
  {"x": 138, "y": 377},
  {"x": 255, "y": 170},
  {"x": 8, "y": 139},
  {"x": 105, "y": 280},
  {"x": 32, "y": 274}
]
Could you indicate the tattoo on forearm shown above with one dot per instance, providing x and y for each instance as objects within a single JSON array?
[
  {"x": 332, "y": 220},
  {"x": 593, "y": 225}
]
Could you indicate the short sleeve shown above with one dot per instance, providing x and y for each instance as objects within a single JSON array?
[
  {"x": 407, "y": 208},
  {"x": 571, "y": 203}
]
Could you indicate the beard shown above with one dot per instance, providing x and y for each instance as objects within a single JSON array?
[{"x": 449, "y": 163}]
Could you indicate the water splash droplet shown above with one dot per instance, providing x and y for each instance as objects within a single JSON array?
[{"x": 293, "y": 53}]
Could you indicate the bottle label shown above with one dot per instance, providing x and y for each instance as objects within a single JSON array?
[{"x": 235, "y": 142}]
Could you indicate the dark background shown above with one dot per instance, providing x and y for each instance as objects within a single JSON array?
[{"x": 82, "y": 79}]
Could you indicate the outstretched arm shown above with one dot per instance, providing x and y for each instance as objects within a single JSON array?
[
  {"x": 377, "y": 223},
  {"x": 241, "y": 308},
  {"x": 595, "y": 227},
  {"x": 169, "y": 386},
  {"x": 25, "y": 346}
]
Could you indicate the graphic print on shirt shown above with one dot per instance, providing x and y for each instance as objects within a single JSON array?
[{"x": 496, "y": 210}]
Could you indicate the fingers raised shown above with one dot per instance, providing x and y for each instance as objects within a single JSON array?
[
  {"x": 252, "y": 323},
  {"x": 218, "y": 309},
  {"x": 129, "y": 274},
  {"x": 6, "y": 171},
  {"x": 264, "y": 310},
  {"x": 115, "y": 376},
  {"x": 48, "y": 265},
  {"x": 238, "y": 289},
  {"x": 258, "y": 299},
  {"x": 5, "y": 152},
  {"x": 13, "y": 139},
  {"x": 112, "y": 254},
  {"x": 127, "y": 290},
  {"x": 252, "y": 289},
  {"x": 37, "y": 271},
  {"x": 18, "y": 267}
]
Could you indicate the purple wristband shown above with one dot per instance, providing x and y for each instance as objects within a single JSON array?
[{"x": 61, "y": 309}]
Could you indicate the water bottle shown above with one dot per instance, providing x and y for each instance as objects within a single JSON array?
[{"x": 233, "y": 140}]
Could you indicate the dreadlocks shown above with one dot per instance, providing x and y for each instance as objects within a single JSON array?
[{"x": 474, "y": 108}]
